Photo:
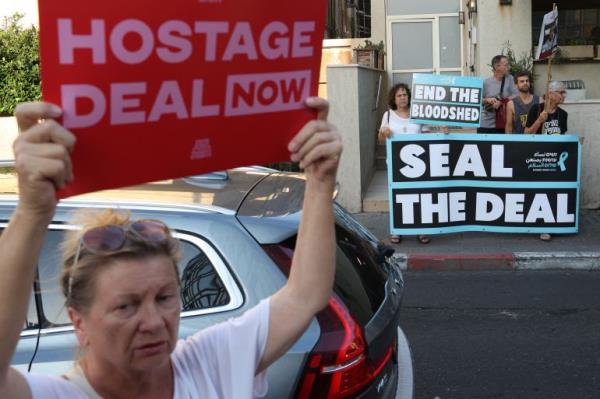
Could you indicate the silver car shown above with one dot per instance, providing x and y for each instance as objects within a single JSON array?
[{"x": 238, "y": 230}]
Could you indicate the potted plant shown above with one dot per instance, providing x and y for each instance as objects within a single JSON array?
[{"x": 369, "y": 54}]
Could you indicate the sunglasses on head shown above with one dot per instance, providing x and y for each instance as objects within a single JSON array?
[{"x": 111, "y": 238}]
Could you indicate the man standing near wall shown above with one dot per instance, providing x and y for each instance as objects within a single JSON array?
[
  {"x": 495, "y": 88},
  {"x": 549, "y": 120},
  {"x": 518, "y": 108},
  {"x": 552, "y": 119}
]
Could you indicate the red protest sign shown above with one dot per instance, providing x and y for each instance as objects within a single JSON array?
[{"x": 168, "y": 89}]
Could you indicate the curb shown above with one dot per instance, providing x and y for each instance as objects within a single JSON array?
[{"x": 499, "y": 261}]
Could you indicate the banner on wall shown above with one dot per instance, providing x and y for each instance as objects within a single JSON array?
[
  {"x": 446, "y": 100},
  {"x": 178, "y": 88},
  {"x": 486, "y": 182}
]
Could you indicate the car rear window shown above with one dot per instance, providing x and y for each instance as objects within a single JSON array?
[
  {"x": 360, "y": 279},
  {"x": 201, "y": 286}
]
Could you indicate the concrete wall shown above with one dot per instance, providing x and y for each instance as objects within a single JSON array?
[
  {"x": 378, "y": 21},
  {"x": 495, "y": 25},
  {"x": 335, "y": 52},
  {"x": 8, "y": 133},
  {"x": 352, "y": 92},
  {"x": 589, "y": 72},
  {"x": 584, "y": 120}
]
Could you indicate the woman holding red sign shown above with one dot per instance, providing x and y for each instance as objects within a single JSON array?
[{"x": 121, "y": 283}]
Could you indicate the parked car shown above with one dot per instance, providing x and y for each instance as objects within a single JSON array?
[{"x": 238, "y": 230}]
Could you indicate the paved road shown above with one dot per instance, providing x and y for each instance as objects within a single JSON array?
[{"x": 502, "y": 334}]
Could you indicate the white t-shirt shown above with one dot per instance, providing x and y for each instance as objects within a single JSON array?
[
  {"x": 400, "y": 125},
  {"x": 218, "y": 362}
]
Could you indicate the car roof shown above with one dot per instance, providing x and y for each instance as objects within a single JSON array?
[
  {"x": 221, "y": 192},
  {"x": 268, "y": 203}
]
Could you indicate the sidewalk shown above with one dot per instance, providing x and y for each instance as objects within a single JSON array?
[{"x": 488, "y": 251}]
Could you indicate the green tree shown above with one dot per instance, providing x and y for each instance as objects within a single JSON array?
[{"x": 19, "y": 64}]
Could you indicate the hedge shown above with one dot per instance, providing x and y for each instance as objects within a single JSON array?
[{"x": 19, "y": 64}]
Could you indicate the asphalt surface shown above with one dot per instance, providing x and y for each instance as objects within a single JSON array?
[{"x": 504, "y": 334}]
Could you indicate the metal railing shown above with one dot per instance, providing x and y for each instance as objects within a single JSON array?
[{"x": 6, "y": 162}]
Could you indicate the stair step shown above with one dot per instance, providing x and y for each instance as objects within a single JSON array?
[{"x": 376, "y": 197}]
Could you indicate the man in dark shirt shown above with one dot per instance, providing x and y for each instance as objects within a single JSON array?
[{"x": 552, "y": 119}]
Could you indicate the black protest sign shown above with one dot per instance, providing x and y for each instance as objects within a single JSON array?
[{"x": 464, "y": 182}]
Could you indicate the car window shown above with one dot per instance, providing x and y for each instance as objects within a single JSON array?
[
  {"x": 202, "y": 286},
  {"x": 49, "y": 274},
  {"x": 360, "y": 278},
  {"x": 31, "y": 320}
]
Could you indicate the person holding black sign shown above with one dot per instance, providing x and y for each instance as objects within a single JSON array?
[
  {"x": 549, "y": 119},
  {"x": 497, "y": 91},
  {"x": 396, "y": 120}
]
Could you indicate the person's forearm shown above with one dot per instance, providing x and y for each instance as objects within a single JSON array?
[
  {"x": 534, "y": 127},
  {"x": 508, "y": 128},
  {"x": 20, "y": 244},
  {"x": 313, "y": 266}
]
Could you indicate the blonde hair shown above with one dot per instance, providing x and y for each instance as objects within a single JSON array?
[{"x": 78, "y": 281}]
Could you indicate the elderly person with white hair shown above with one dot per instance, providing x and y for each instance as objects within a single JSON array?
[{"x": 549, "y": 119}]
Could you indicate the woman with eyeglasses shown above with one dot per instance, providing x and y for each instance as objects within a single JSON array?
[{"x": 121, "y": 283}]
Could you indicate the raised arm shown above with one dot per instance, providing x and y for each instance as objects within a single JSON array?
[
  {"x": 534, "y": 125},
  {"x": 318, "y": 148},
  {"x": 43, "y": 164}
]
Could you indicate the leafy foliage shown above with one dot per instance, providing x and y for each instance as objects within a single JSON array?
[
  {"x": 522, "y": 63},
  {"x": 19, "y": 64},
  {"x": 7, "y": 170},
  {"x": 369, "y": 45}
]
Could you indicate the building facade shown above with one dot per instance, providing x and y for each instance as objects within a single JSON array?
[{"x": 460, "y": 37}]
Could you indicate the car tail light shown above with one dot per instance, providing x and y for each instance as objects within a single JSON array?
[{"x": 338, "y": 366}]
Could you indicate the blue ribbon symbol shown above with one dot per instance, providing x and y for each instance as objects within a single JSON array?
[{"x": 561, "y": 161}]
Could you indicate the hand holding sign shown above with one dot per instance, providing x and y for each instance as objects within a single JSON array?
[
  {"x": 318, "y": 146},
  {"x": 42, "y": 155},
  {"x": 199, "y": 86},
  {"x": 384, "y": 133}
]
